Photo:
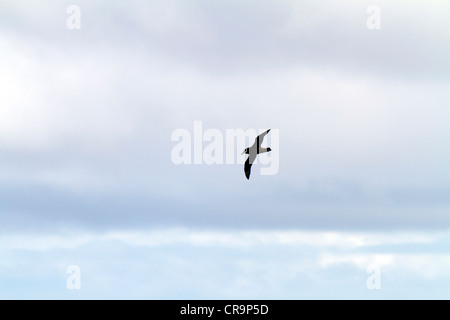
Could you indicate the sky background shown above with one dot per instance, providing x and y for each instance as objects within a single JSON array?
[{"x": 86, "y": 176}]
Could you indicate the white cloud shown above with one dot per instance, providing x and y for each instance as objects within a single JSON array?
[
  {"x": 360, "y": 261},
  {"x": 217, "y": 238},
  {"x": 52, "y": 98},
  {"x": 181, "y": 263},
  {"x": 427, "y": 266}
]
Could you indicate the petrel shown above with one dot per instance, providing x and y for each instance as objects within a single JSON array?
[{"x": 253, "y": 151}]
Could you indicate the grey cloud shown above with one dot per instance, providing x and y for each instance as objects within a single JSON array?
[
  {"x": 94, "y": 149},
  {"x": 237, "y": 36},
  {"x": 349, "y": 207}
]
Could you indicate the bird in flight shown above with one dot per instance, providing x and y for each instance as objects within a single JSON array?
[{"x": 253, "y": 151}]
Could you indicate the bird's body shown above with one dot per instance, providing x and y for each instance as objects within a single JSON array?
[{"x": 253, "y": 151}]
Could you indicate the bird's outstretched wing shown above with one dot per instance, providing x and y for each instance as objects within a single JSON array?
[
  {"x": 247, "y": 168},
  {"x": 259, "y": 139}
]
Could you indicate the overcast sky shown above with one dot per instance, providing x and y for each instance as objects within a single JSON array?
[{"x": 86, "y": 175}]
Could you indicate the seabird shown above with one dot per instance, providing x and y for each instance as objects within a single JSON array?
[{"x": 253, "y": 151}]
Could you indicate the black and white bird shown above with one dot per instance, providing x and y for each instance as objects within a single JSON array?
[{"x": 253, "y": 151}]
